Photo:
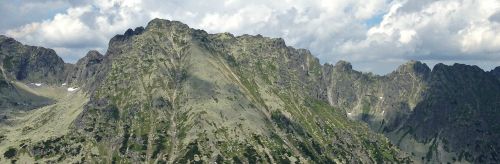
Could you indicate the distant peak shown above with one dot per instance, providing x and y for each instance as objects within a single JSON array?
[
  {"x": 91, "y": 58},
  {"x": 440, "y": 67},
  {"x": 343, "y": 65},
  {"x": 496, "y": 69},
  {"x": 137, "y": 31},
  {"x": 226, "y": 34},
  {"x": 496, "y": 72},
  {"x": 129, "y": 33},
  {"x": 93, "y": 54},
  {"x": 163, "y": 23},
  {"x": 414, "y": 66},
  {"x": 4, "y": 38}
]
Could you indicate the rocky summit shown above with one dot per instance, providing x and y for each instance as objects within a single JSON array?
[{"x": 168, "y": 93}]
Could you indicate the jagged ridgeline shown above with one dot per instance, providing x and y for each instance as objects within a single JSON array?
[
  {"x": 171, "y": 94},
  {"x": 447, "y": 114},
  {"x": 168, "y": 93}
]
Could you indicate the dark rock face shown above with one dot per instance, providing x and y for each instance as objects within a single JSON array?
[
  {"x": 85, "y": 70},
  {"x": 25, "y": 63},
  {"x": 451, "y": 108},
  {"x": 496, "y": 72},
  {"x": 29, "y": 63},
  {"x": 460, "y": 108},
  {"x": 382, "y": 101}
]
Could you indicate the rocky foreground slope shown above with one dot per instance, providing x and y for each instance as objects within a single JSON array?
[{"x": 171, "y": 94}]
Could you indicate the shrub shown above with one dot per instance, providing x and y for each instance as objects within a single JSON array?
[{"x": 12, "y": 152}]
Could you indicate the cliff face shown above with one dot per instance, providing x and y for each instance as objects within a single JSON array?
[
  {"x": 30, "y": 63},
  {"x": 430, "y": 114},
  {"x": 459, "y": 114},
  {"x": 84, "y": 72},
  {"x": 169, "y": 93}
]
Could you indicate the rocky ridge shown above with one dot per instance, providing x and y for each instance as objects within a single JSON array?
[{"x": 169, "y": 93}]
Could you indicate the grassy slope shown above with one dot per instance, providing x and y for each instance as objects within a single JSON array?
[
  {"x": 51, "y": 121},
  {"x": 172, "y": 95}
]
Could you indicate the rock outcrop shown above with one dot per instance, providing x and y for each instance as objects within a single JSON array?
[
  {"x": 430, "y": 114},
  {"x": 84, "y": 72},
  {"x": 30, "y": 63}
]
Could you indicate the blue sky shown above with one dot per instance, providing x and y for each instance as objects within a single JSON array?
[
  {"x": 374, "y": 35},
  {"x": 375, "y": 20}
]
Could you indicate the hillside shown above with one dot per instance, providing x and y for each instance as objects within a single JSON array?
[{"x": 168, "y": 93}]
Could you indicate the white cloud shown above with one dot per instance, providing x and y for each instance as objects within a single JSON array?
[
  {"x": 247, "y": 16},
  {"x": 458, "y": 30},
  {"x": 466, "y": 31},
  {"x": 63, "y": 30}
]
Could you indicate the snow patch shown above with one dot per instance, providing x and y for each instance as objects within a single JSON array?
[
  {"x": 70, "y": 89},
  {"x": 38, "y": 84},
  {"x": 383, "y": 112},
  {"x": 64, "y": 84},
  {"x": 380, "y": 97}
]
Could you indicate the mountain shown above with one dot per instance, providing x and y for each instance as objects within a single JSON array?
[
  {"x": 84, "y": 72},
  {"x": 30, "y": 63},
  {"x": 27, "y": 64},
  {"x": 458, "y": 114},
  {"x": 496, "y": 72},
  {"x": 444, "y": 115},
  {"x": 168, "y": 93}
]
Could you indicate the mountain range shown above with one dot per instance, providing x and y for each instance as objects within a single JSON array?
[{"x": 168, "y": 93}]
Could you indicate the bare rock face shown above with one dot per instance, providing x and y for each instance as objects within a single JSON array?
[
  {"x": 458, "y": 114},
  {"x": 29, "y": 63},
  {"x": 85, "y": 70},
  {"x": 429, "y": 114}
]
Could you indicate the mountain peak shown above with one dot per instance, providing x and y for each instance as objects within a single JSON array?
[
  {"x": 30, "y": 63},
  {"x": 414, "y": 66},
  {"x": 172, "y": 94},
  {"x": 3, "y": 37},
  {"x": 93, "y": 54},
  {"x": 91, "y": 58},
  {"x": 496, "y": 72},
  {"x": 343, "y": 65},
  {"x": 163, "y": 23},
  {"x": 459, "y": 68},
  {"x": 8, "y": 40},
  {"x": 136, "y": 31}
]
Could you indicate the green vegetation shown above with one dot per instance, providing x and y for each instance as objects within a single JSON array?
[
  {"x": 10, "y": 153},
  {"x": 171, "y": 94}
]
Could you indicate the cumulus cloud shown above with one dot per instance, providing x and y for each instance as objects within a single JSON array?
[
  {"x": 447, "y": 30},
  {"x": 18, "y": 13},
  {"x": 376, "y": 35},
  {"x": 85, "y": 26}
]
